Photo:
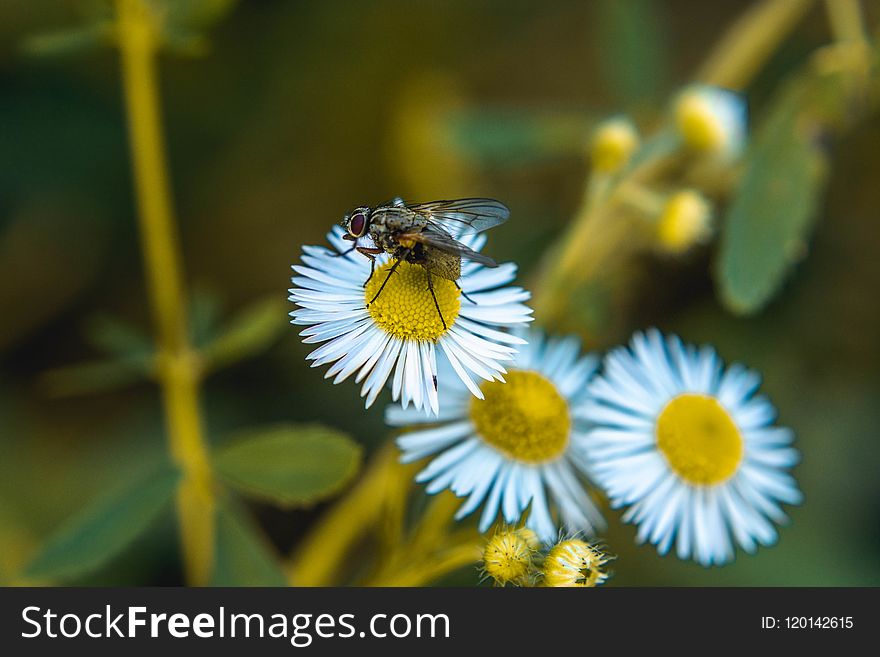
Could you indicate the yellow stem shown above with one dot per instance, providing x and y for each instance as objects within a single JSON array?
[
  {"x": 751, "y": 40},
  {"x": 395, "y": 498},
  {"x": 852, "y": 50},
  {"x": 597, "y": 234},
  {"x": 431, "y": 569},
  {"x": 847, "y": 23},
  {"x": 316, "y": 561},
  {"x": 434, "y": 522},
  {"x": 177, "y": 364}
]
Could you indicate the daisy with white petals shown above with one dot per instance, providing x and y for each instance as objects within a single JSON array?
[
  {"x": 511, "y": 450},
  {"x": 398, "y": 334},
  {"x": 690, "y": 448}
]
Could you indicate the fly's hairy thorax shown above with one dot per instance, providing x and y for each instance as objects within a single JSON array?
[{"x": 386, "y": 224}]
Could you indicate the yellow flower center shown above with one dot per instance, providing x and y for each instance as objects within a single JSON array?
[
  {"x": 405, "y": 308},
  {"x": 699, "y": 439},
  {"x": 525, "y": 418}
]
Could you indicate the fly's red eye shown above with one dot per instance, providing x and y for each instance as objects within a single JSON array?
[{"x": 357, "y": 224}]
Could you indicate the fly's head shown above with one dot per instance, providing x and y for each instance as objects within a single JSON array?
[{"x": 356, "y": 223}]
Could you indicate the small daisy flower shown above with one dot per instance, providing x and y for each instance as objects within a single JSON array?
[
  {"x": 711, "y": 119},
  {"x": 690, "y": 448},
  {"x": 510, "y": 450},
  {"x": 397, "y": 335}
]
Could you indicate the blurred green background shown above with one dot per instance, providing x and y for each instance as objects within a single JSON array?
[{"x": 298, "y": 111}]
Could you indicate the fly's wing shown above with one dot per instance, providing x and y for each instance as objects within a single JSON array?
[
  {"x": 437, "y": 238},
  {"x": 463, "y": 216},
  {"x": 396, "y": 202}
]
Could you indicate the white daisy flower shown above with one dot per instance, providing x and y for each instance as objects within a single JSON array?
[
  {"x": 511, "y": 450},
  {"x": 400, "y": 331},
  {"x": 689, "y": 447}
]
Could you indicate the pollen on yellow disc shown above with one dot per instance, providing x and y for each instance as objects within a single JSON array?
[
  {"x": 525, "y": 418},
  {"x": 699, "y": 439},
  {"x": 405, "y": 308}
]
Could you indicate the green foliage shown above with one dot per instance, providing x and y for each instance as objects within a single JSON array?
[
  {"x": 254, "y": 329},
  {"x": 104, "y": 529},
  {"x": 242, "y": 557},
  {"x": 182, "y": 24},
  {"x": 69, "y": 41},
  {"x": 116, "y": 337},
  {"x": 204, "y": 316},
  {"x": 290, "y": 465},
  {"x": 91, "y": 378},
  {"x": 131, "y": 361},
  {"x": 194, "y": 14},
  {"x": 774, "y": 206}
]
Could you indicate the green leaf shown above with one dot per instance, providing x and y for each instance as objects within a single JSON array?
[
  {"x": 103, "y": 529},
  {"x": 290, "y": 465},
  {"x": 92, "y": 377},
  {"x": 204, "y": 314},
  {"x": 195, "y": 14},
  {"x": 250, "y": 332},
  {"x": 777, "y": 200},
  {"x": 634, "y": 48},
  {"x": 69, "y": 41},
  {"x": 116, "y": 337},
  {"x": 242, "y": 556},
  {"x": 184, "y": 23},
  {"x": 132, "y": 361}
]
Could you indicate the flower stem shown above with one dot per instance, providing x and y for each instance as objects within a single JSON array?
[
  {"x": 752, "y": 39},
  {"x": 178, "y": 370},
  {"x": 598, "y": 234},
  {"x": 318, "y": 558},
  {"x": 424, "y": 572},
  {"x": 847, "y": 22}
]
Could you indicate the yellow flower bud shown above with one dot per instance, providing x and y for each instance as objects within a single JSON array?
[
  {"x": 711, "y": 120},
  {"x": 574, "y": 562},
  {"x": 686, "y": 220},
  {"x": 613, "y": 144},
  {"x": 509, "y": 556}
]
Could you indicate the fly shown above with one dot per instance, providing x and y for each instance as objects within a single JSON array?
[{"x": 424, "y": 234}]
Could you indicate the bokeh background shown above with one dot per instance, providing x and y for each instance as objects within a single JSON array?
[{"x": 296, "y": 111}]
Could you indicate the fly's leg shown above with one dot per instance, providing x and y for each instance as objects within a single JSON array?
[
  {"x": 434, "y": 297},
  {"x": 387, "y": 278},
  {"x": 371, "y": 253},
  {"x": 343, "y": 253},
  {"x": 463, "y": 293},
  {"x": 347, "y": 251}
]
